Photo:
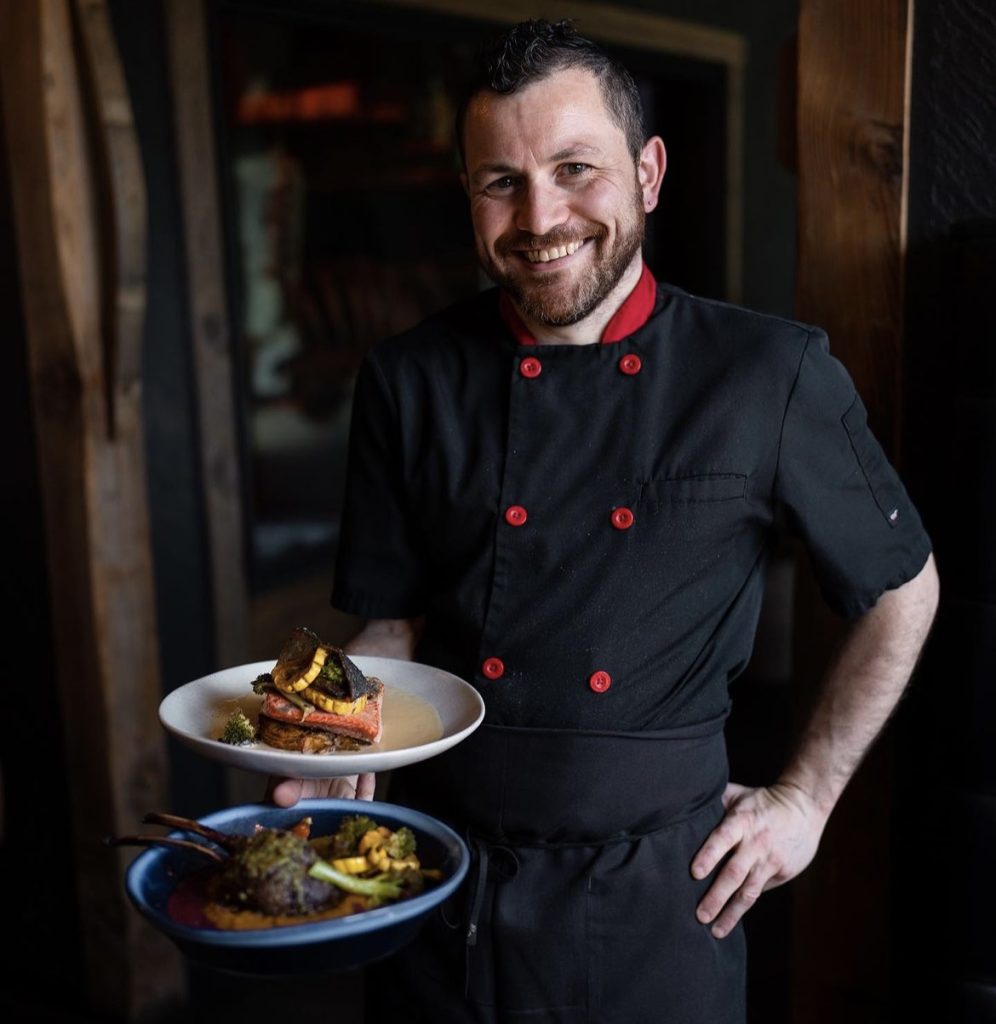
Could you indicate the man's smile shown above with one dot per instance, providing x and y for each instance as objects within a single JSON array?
[{"x": 553, "y": 253}]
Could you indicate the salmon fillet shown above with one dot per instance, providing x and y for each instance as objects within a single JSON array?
[{"x": 365, "y": 726}]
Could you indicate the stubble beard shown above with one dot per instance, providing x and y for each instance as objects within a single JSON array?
[{"x": 545, "y": 299}]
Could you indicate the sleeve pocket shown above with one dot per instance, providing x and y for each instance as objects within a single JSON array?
[
  {"x": 878, "y": 474},
  {"x": 708, "y": 487}
]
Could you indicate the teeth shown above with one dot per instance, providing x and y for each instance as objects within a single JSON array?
[{"x": 545, "y": 255}]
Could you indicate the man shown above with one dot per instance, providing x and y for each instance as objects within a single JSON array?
[{"x": 565, "y": 490}]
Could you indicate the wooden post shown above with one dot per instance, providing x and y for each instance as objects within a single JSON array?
[
  {"x": 79, "y": 211},
  {"x": 210, "y": 324},
  {"x": 852, "y": 145}
]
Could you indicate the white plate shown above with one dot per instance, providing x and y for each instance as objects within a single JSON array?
[{"x": 426, "y": 711}]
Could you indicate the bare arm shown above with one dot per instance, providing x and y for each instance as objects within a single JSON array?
[
  {"x": 773, "y": 832},
  {"x": 383, "y": 638},
  {"x": 386, "y": 638}
]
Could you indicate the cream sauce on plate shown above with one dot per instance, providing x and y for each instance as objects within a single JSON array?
[{"x": 408, "y": 720}]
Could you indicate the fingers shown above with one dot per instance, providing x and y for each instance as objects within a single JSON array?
[
  {"x": 723, "y": 838},
  {"x": 731, "y": 896},
  {"x": 365, "y": 786},
  {"x": 735, "y": 888},
  {"x": 343, "y": 788},
  {"x": 287, "y": 792}
]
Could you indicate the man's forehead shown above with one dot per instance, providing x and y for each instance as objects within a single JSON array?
[{"x": 553, "y": 117}]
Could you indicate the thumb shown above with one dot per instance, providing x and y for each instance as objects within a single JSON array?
[
  {"x": 285, "y": 792},
  {"x": 732, "y": 794}
]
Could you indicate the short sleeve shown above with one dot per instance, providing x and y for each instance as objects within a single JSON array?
[
  {"x": 841, "y": 494},
  {"x": 378, "y": 571}
]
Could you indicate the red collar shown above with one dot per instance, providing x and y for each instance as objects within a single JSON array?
[{"x": 629, "y": 317}]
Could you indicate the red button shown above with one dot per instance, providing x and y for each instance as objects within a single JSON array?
[
  {"x": 630, "y": 364},
  {"x": 622, "y": 518},
  {"x": 515, "y": 515},
  {"x": 530, "y": 367},
  {"x": 493, "y": 668},
  {"x": 600, "y": 681}
]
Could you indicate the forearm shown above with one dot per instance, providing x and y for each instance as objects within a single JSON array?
[
  {"x": 386, "y": 638},
  {"x": 861, "y": 689}
]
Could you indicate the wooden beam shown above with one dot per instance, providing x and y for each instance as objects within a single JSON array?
[
  {"x": 79, "y": 213},
  {"x": 211, "y": 337},
  {"x": 853, "y": 169},
  {"x": 210, "y": 324},
  {"x": 852, "y": 111},
  {"x": 644, "y": 30}
]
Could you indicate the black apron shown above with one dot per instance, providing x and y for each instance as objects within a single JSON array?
[{"x": 579, "y": 905}]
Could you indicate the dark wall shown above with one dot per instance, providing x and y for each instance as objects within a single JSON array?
[
  {"x": 769, "y": 188},
  {"x": 945, "y": 895}
]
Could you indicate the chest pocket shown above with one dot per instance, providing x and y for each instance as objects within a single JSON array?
[{"x": 673, "y": 493}]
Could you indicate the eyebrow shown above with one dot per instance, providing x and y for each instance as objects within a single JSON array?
[{"x": 577, "y": 149}]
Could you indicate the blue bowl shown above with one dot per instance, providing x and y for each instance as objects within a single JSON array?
[{"x": 333, "y": 945}]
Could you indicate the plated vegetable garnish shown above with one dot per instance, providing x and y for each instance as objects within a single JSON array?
[
  {"x": 315, "y": 700},
  {"x": 283, "y": 876}
]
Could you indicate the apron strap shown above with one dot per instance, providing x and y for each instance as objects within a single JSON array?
[{"x": 504, "y": 865}]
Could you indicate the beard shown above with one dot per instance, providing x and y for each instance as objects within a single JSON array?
[{"x": 551, "y": 299}]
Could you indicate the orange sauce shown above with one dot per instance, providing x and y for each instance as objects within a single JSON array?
[
  {"x": 224, "y": 917},
  {"x": 188, "y": 904}
]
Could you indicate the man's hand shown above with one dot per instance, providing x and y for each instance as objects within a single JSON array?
[
  {"x": 287, "y": 792},
  {"x": 771, "y": 834}
]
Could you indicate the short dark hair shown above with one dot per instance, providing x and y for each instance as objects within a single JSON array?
[{"x": 533, "y": 50}]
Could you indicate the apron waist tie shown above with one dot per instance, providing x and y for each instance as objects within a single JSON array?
[{"x": 503, "y": 863}]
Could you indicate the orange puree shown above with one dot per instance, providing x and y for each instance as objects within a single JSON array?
[{"x": 242, "y": 920}]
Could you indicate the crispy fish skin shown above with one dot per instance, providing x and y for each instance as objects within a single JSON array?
[
  {"x": 295, "y": 657},
  {"x": 302, "y": 659}
]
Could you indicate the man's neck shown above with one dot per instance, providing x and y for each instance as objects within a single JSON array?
[{"x": 589, "y": 330}]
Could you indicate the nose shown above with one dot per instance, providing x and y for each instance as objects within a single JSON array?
[{"x": 541, "y": 208}]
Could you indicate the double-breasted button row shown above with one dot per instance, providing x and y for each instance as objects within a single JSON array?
[
  {"x": 494, "y": 668},
  {"x": 629, "y": 364},
  {"x": 621, "y": 518}
]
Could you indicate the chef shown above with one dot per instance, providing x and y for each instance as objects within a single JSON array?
[{"x": 565, "y": 490}]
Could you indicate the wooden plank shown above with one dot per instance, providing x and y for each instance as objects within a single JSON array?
[
  {"x": 83, "y": 358},
  {"x": 852, "y": 174},
  {"x": 617, "y": 24},
  {"x": 853, "y": 170},
  {"x": 210, "y": 324}
]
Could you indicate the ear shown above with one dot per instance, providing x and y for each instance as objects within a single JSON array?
[{"x": 650, "y": 170}]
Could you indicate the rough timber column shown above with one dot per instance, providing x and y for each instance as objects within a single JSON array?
[
  {"x": 79, "y": 210},
  {"x": 853, "y": 89}
]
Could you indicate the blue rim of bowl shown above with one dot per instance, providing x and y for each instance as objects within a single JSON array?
[{"x": 318, "y": 931}]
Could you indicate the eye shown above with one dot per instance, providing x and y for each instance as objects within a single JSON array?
[
  {"x": 575, "y": 170},
  {"x": 503, "y": 184}
]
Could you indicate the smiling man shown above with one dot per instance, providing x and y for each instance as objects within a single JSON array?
[
  {"x": 565, "y": 490},
  {"x": 558, "y": 196}
]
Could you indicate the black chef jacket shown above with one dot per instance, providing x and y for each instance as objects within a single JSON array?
[{"x": 585, "y": 528}]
